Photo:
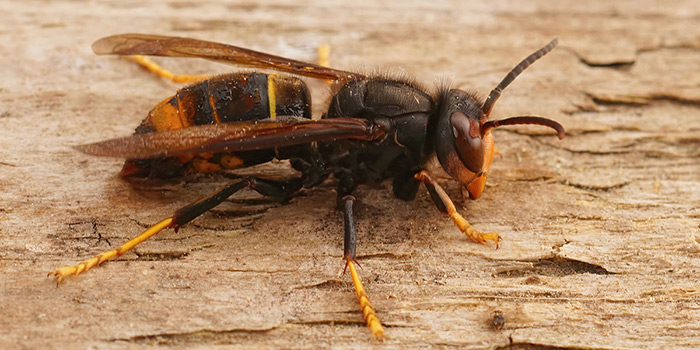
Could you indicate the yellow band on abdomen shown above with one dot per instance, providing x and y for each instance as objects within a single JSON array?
[{"x": 271, "y": 96}]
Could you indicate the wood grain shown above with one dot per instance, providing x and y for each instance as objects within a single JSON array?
[{"x": 601, "y": 231}]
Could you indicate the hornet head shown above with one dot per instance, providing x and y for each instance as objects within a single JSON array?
[{"x": 462, "y": 138}]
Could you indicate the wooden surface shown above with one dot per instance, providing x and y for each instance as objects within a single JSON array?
[{"x": 601, "y": 232}]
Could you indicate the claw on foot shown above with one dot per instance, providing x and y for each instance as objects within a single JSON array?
[
  {"x": 445, "y": 205},
  {"x": 62, "y": 272},
  {"x": 75, "y": 270},
  {"x": 472, "y": 233}
]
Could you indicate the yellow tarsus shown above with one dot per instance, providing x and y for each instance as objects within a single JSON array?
[
  {"x": 368, "y": 313},
  {"x": 472, "y": 233},
  {"x": 64, "y": 271},
  {"x": 464, "y": 225},
  {"x": 156, "y": 69}
]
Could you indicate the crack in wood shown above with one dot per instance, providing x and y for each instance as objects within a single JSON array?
[
  {"x": 258, "y": 271},
  {"x": 578, "y": 217},
  {"x": 626, "y": 65},
  {"x": 333, "y": 284},
  {"x": 589, "y": 187},
  {"x": 688, "y": 46},
  {"x": 597, "y": 153},
  {"x": 201, "y": 336},
  {"x": 239, "y": 213},
  {"x": 160, "y": 256},
  {"x": 535, "y": 346},
  {"x": 332, "y": 322},
  {"x": 93, "y": 227},
  {"x": 556, "y": 266},
  {"x": 640, "y": 100},
  {"x": 613, "y": 64}
]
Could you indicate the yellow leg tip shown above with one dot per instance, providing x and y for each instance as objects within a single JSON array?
[
  {"x": 66, "y": 270},
  {"x": 494, "y": 237},
  {"x": 472, "y": 233},
  {"x": 62, "y": 272},
  {"x": 491, "y": 236},
  {"x": 377, "y": 330},
  {"x": 368, "y": 313}
]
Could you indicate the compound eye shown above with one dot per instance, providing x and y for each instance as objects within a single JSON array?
[{"x": 467, "y": 137}]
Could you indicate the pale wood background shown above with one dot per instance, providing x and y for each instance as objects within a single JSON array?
[{"x": 601, "y": 232}]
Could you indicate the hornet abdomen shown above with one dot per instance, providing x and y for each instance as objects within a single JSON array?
[{"x": 221, "y": 99}]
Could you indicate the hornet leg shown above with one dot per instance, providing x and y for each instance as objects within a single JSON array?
[
  {"x": 368, "y": 313},
  {"x": 324, "y": 53},
  {"x": 156, "y": 69},
  {"x": 282, "y": 190},
  {"x": 445, "y": 205}
]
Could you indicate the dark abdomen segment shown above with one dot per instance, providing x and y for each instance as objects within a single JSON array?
[
  {"x": 229, "y": 98},
  {"x": 221, "y": 99}
]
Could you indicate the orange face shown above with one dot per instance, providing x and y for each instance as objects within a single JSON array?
[
  {"x": 476, "y": 186},
  {"x": 463, "y": 147},
  {"x": 472, "y": 181},
  {"x": 463, "y": 141}
]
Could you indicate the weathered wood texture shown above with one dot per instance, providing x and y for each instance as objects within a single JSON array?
[{"x": 601, "y": 237}]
